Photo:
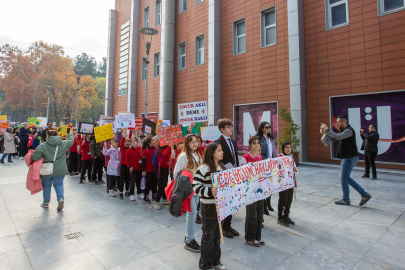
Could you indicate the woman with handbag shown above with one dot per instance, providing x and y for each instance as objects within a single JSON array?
[{"x": 54, "y": 167}]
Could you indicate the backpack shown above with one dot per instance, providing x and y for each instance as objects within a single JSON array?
[{"x": 155, "y": 158}]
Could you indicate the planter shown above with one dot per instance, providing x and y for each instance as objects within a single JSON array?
[{"x": 296, "y": 157}]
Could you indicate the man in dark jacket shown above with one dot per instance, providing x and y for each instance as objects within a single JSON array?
[
  {"x": 24, "y": 136},
  {"x": 348, "y": 154},
  {"x": 370, "y": 148}
]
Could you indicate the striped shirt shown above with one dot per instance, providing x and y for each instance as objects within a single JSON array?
[{"x": 202, "y": 184}]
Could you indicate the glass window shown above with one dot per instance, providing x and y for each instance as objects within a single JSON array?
[
  {"x": 156, "y": 66},
  {"x": 239, "y": 37},
  {"x": 268, "y": 27},
  {"x": 144, "y": 69},
  {"x": 199, "y": 43},
  {"x": 146, "y": 17},
  {"x": 198, "y": 1},
  {"x": 157, "y": 12},
  {"x": 390, "y": 6},
  {"x": 182, "y": 5},
  {"x": 123, "y": 65},
  {"x": 182, "y": 56},
  {"x": 337, "y": 13}
]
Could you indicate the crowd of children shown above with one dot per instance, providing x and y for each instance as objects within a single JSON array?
[{"x": 134, "y": 162}]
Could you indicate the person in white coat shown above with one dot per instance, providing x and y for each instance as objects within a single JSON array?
[{"x": 9, "y": 146}]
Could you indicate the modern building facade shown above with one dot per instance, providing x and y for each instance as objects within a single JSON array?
[{"x": 250, "y": 58}]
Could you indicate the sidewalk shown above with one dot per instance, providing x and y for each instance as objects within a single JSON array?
[{"x": 121, "y": 234}]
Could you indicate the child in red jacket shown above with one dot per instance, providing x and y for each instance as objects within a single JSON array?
[
  {"x": 86, "y": 159},
  {"x": 73, "y": 156},
  {"x": 162, "y": 172},
  {"x": 148, "y": 170},
  {"x": 133, "y": 160},
  {"x": 124, "y": 174}
]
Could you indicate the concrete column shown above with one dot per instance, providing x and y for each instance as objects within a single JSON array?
[
  {"x": 214, "y": 61},
  {"x": 298, "y": 90},
  {"x": 133, "y": 56},
  {"x": 167, "y": 48},
  {"x": 109, "y": 83}
]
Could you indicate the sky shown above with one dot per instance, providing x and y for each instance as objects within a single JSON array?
[{"x": 77, "y": 25}]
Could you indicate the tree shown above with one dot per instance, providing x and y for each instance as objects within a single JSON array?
[
  {"x": 86, "y": 64},
  {"x": 102, "y": 68},
  {"x": 97, "y": 101},
  {"x": 290, "y": 130}
]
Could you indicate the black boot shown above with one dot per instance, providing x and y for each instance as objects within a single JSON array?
[
  {"x": 268, "y": 204},
  {"x": 266, "y": 212}
]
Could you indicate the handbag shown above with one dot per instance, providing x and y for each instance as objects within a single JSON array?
[{"x": 47, "y": 168}]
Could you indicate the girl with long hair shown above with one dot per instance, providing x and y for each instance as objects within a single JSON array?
[
  {"x": 202, "y": 185},
  {"x": 114, "y": 166},
  {"x": 189, "y": 160},
  {"x": 268, "y": 151},
  {"x": 148, "y": 170}
]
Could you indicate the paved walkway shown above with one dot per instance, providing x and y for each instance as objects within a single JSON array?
[{"x": 131, "y": 235}]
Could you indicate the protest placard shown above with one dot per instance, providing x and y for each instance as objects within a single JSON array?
[
  {"x": 149, "y": 127},
  {"x": 4, "y": 124},
  {"x": 103, "y": 133},
  {"x": 86, "y": 128},
  {"x": 125, "y": 120},
  {"x": 43, "y": 121},
  {"x": 3, "y": 117},
  {"x": 138, "y": 123},
  {"x": 107, "y": 121},
  {"x": 63, "y": 130},
  {"x": 210, "y": 133},
  {"x": 250, "y": 183},
  {"x": 193, "y": 112},
  {"x": 170, "y": 135}
]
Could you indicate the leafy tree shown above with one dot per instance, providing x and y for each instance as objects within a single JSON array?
[
  {"x": 86, "y": 64},
  {"x": 290, "y": 130},
  {"x": 102, "y": 68}
]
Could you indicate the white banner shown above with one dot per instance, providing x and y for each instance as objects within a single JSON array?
[{"x": 193, "y": 112}]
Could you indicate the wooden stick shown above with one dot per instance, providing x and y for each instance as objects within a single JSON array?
[
  {"x": 222, "y": 235},
  {"x": 295, "y": 194}
]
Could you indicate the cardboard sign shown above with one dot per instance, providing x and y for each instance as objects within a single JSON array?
[
  {"x": 107, "y": 121},
  {"x": 103, "y": 133},
  {"x": 170, "y": 135},
  {"x": 86, "y": 128},
  {"x": 210, "y": 133},
  {"x": 247, "y": 184},
  {"x": 4, "y": 124},
  {"x": 3, "y": 117},
  {"x": 138, "y": 123},
  {"x": 126, "y": 120},
  {"x": 34, "y": 121},
  {"x": 43, "y": 121},
  {"x": 63, "y": 130},
  {"x": 193, "y": 112},
  {"x": 149, "y": 127}
]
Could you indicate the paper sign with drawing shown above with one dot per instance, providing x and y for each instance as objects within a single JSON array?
[
  {"x": 250, "y": 183},
  {"x": 170, "y": 135},
  {"x": 104, "y": 133},
  {"x": 126, "y": 120}
]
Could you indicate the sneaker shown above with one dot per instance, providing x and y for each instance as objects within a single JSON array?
[
  {"x": 89, "y": 180},
  {"x": 193, "y": 246},
  {"x": 2, "y": 162},
  {"x": 101, "y": 181},
  {"x": 156, "y": 205},
  {"x": 292, "y": 223},
  {"x": 45, "y": 205},
  {"x": 342, "y": 202},
  {"x": 365, "y": 199},
  {"x": 60, "y": 204},
  {"x": 127, "y": 194},
  {"x": 283, "y": 222},
  {"x": 121, "y": 195},
  {"x": 112, "y": 193},
  {"x": 165, "y": 202},
  {"x": 146, "y": 199},
  {"x": 219, "y": 267},
  {"x": 76, "y": 173},
  {"x": 198, "y": 220},
  {"x": 81, "y": 181},
  {"x": 71, "y": 174},
  {"x": 21, "y": 158},
  {"x": 141, "y": 196},
  {"x": 365, "y": 176},
  {"x": 106, "y": 190},
  {"x": 373, "y": 177},
  {"x": 132, "y": 197},
  {"x": 262, "y": 242},
  {"x": 254, "y": 243},
  {"x": 96, "y": 182}
]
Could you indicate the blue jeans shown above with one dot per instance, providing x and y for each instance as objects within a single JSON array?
[
  {"x": 190, "y": 220},
  {"x": 57, "y": 185},
  {"x": 4, "y": 156},
  {"x": 346, "y": 167}
]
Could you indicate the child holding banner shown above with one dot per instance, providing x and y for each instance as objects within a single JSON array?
[
  {"x": 202, "y": 185},
  {"x": 113, "y": 167},
  {"x": 254, "y": 211},
  {"x": 86, "y": 159},
  {"x": 189, "y": 160},
  {"x": 286, "y": 196},
  {"x": 148, "y": 170},
  {"x": 133, "y": 160}
]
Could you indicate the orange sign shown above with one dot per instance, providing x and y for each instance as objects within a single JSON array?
[{"x": 4, "y": 124}]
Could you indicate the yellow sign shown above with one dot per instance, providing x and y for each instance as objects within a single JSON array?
[
  {"x": 104, "y": 133},
  {"x": 62, "y": 131},
  {"x": 3, "y": 117}
]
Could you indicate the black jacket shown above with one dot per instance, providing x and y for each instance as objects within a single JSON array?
[
  {"x": 228, "y": 158},
  {"x": 370, "y": 141},
  {"x": 181, "y": 191},
  {"x": 347, "y": 148}
]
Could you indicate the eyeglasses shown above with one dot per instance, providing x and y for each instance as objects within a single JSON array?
[
  {"x": 267, "y": 127},
  {"x": 228, "y": 127}
]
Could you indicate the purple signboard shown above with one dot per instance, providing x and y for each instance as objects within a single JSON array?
[
  {"x": 247, "y": 119},
  {"x": 386, "y": 110}
]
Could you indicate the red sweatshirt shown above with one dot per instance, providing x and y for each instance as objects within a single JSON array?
[
  {"x": 124, "y": 150},
  {"x": 164, "y": 156},
  {"x": 86, "y": 151},
  {"x": 147, "y": 154},
  {"x": 133, "y": 158},
  {"x": 73, "y": 149},
  {"x": 80, "y": 140}
]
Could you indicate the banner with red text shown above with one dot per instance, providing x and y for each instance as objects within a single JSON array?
[{"x": 250, "y": 183}]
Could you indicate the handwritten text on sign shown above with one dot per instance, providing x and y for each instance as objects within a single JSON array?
[
  {"x": 193, "y": 112},
  {"x": 250, "y": 183},
  {"x": 3, "y": 117},
  {"x": 103, "y": 133}
]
